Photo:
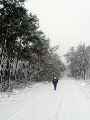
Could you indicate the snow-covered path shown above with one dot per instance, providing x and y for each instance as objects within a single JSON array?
[{"x": 41, "y": 102}]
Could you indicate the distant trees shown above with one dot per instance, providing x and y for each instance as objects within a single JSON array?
[
  {"x": 78, "y": 60},
  {"x": 25, "y": 53}
]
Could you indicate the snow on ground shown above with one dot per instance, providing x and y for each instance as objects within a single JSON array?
[
  {"x": 75, "y": 105},
  {"x": 84, "y": 86},
  {"x": 41, "y": 102}
]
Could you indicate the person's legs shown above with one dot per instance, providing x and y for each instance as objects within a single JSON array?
[{"x": 54, "y": 86}]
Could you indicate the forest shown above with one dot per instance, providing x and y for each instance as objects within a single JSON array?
[
  {"x": 78, "y": 60},
  {"x": 25, "y": 51}
]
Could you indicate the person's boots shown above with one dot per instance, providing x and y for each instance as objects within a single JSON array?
[{"x": 54, "y": 88}]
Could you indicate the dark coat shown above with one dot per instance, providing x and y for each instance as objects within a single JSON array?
[{"x": 55, "y": 81}]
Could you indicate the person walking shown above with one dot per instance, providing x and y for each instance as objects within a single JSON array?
[{"x": 55, "y": 81}]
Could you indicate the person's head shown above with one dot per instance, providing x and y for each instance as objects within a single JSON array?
[{"x": 55, "y": 77}]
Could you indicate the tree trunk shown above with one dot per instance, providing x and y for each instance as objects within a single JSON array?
[{"x": 84, "y": 74}]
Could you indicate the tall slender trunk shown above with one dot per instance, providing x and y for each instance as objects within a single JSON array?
[
  {"x": 1, "y": 68},
  {"x": 16, "y": 70},
  {"x": 7, "y": 74},
  {"x": 39, "y": 69},
  {"x": 84, "y": 74}
]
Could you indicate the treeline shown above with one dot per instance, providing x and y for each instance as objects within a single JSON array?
[
  {"x": 79, "y": 61},
  {"x": 25, "y": 53}
]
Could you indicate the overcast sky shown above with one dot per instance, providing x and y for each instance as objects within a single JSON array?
[{"x": 65, "y": 22}]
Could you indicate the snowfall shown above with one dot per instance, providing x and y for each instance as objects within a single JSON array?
[{"x": 39, "y": 101}]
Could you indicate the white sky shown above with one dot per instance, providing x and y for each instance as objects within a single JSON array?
[{"x": 65, "y": 22}]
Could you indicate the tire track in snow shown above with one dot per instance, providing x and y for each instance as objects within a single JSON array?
[
  {"x": 57, "y": 113},
  {"x": 22, "y": 110},
  {"x": 58, "y": 106}
]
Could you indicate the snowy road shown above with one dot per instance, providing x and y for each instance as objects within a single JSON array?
[{"x": 41, "y": 102}]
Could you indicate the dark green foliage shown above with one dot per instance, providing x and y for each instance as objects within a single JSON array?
[{"x": 24, "y": 50}]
